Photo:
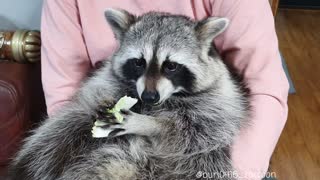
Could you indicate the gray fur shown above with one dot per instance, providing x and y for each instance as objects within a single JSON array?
[{"x": 174, "y": 140}]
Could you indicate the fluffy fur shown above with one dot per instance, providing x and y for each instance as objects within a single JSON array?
[{"x": 189, "y": 130}]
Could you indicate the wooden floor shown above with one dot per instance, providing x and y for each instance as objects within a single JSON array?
[{"x": 297, "y": 156}]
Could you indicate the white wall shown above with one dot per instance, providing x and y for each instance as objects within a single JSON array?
[{"x": 22, "y": 14}]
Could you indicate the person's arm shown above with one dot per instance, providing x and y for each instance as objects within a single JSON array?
[
  {"x": 64, "y": 58},
  {"x": 250, "y": 45}
]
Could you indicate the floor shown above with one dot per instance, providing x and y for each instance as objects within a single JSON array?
[{"x": 297, "y": 156}]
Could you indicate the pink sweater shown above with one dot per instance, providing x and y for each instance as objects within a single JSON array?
[{"x": 76, "y": 36}]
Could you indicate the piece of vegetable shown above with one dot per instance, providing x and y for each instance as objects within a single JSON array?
[
  {"x": 99, "y": 123},
  {"x": 124, "y": 103},
  {"x": 99, "y": 132}
]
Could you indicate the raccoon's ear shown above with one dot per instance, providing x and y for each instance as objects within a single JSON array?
[
  {"x": 119, "y": 20},
  {"x": 210, "y": 28}
]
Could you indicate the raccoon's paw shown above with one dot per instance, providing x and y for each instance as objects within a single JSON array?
[
  {"x": 130, "y": 124},
  {"x": 102, "y": 114}
]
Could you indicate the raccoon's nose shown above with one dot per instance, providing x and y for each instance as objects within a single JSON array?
[{"x": 150, "y": 97}]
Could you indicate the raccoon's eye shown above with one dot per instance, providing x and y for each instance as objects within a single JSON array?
[{"x": 170, "y": 67}]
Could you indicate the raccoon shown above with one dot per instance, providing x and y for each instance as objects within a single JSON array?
[{"x": 190, "y": 108}]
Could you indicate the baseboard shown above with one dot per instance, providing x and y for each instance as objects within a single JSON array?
[{"x": 299, "y": 7}]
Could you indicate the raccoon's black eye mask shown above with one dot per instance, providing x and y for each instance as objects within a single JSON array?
[
  {"x": 179, "y": 74},
  {"x": 140, "y": 63},
  {"x": 134, "y": 68}
]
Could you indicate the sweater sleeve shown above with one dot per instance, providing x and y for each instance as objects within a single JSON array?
[
  {"x": 64, "y": 55},
  {"x": 250, "y": 45}
]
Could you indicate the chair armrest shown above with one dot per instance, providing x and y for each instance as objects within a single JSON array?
[{"x": 22, "y": 103}]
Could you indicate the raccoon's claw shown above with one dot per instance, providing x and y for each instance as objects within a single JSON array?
[
  {"x": 105, "y": 117},
  {"x": 116, "y": 132},
  {"x": 125, "y": 113},
  {"x": 118, "y": 129}
]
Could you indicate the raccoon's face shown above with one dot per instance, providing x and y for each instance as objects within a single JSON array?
[{"x": 164, "y": 54}]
